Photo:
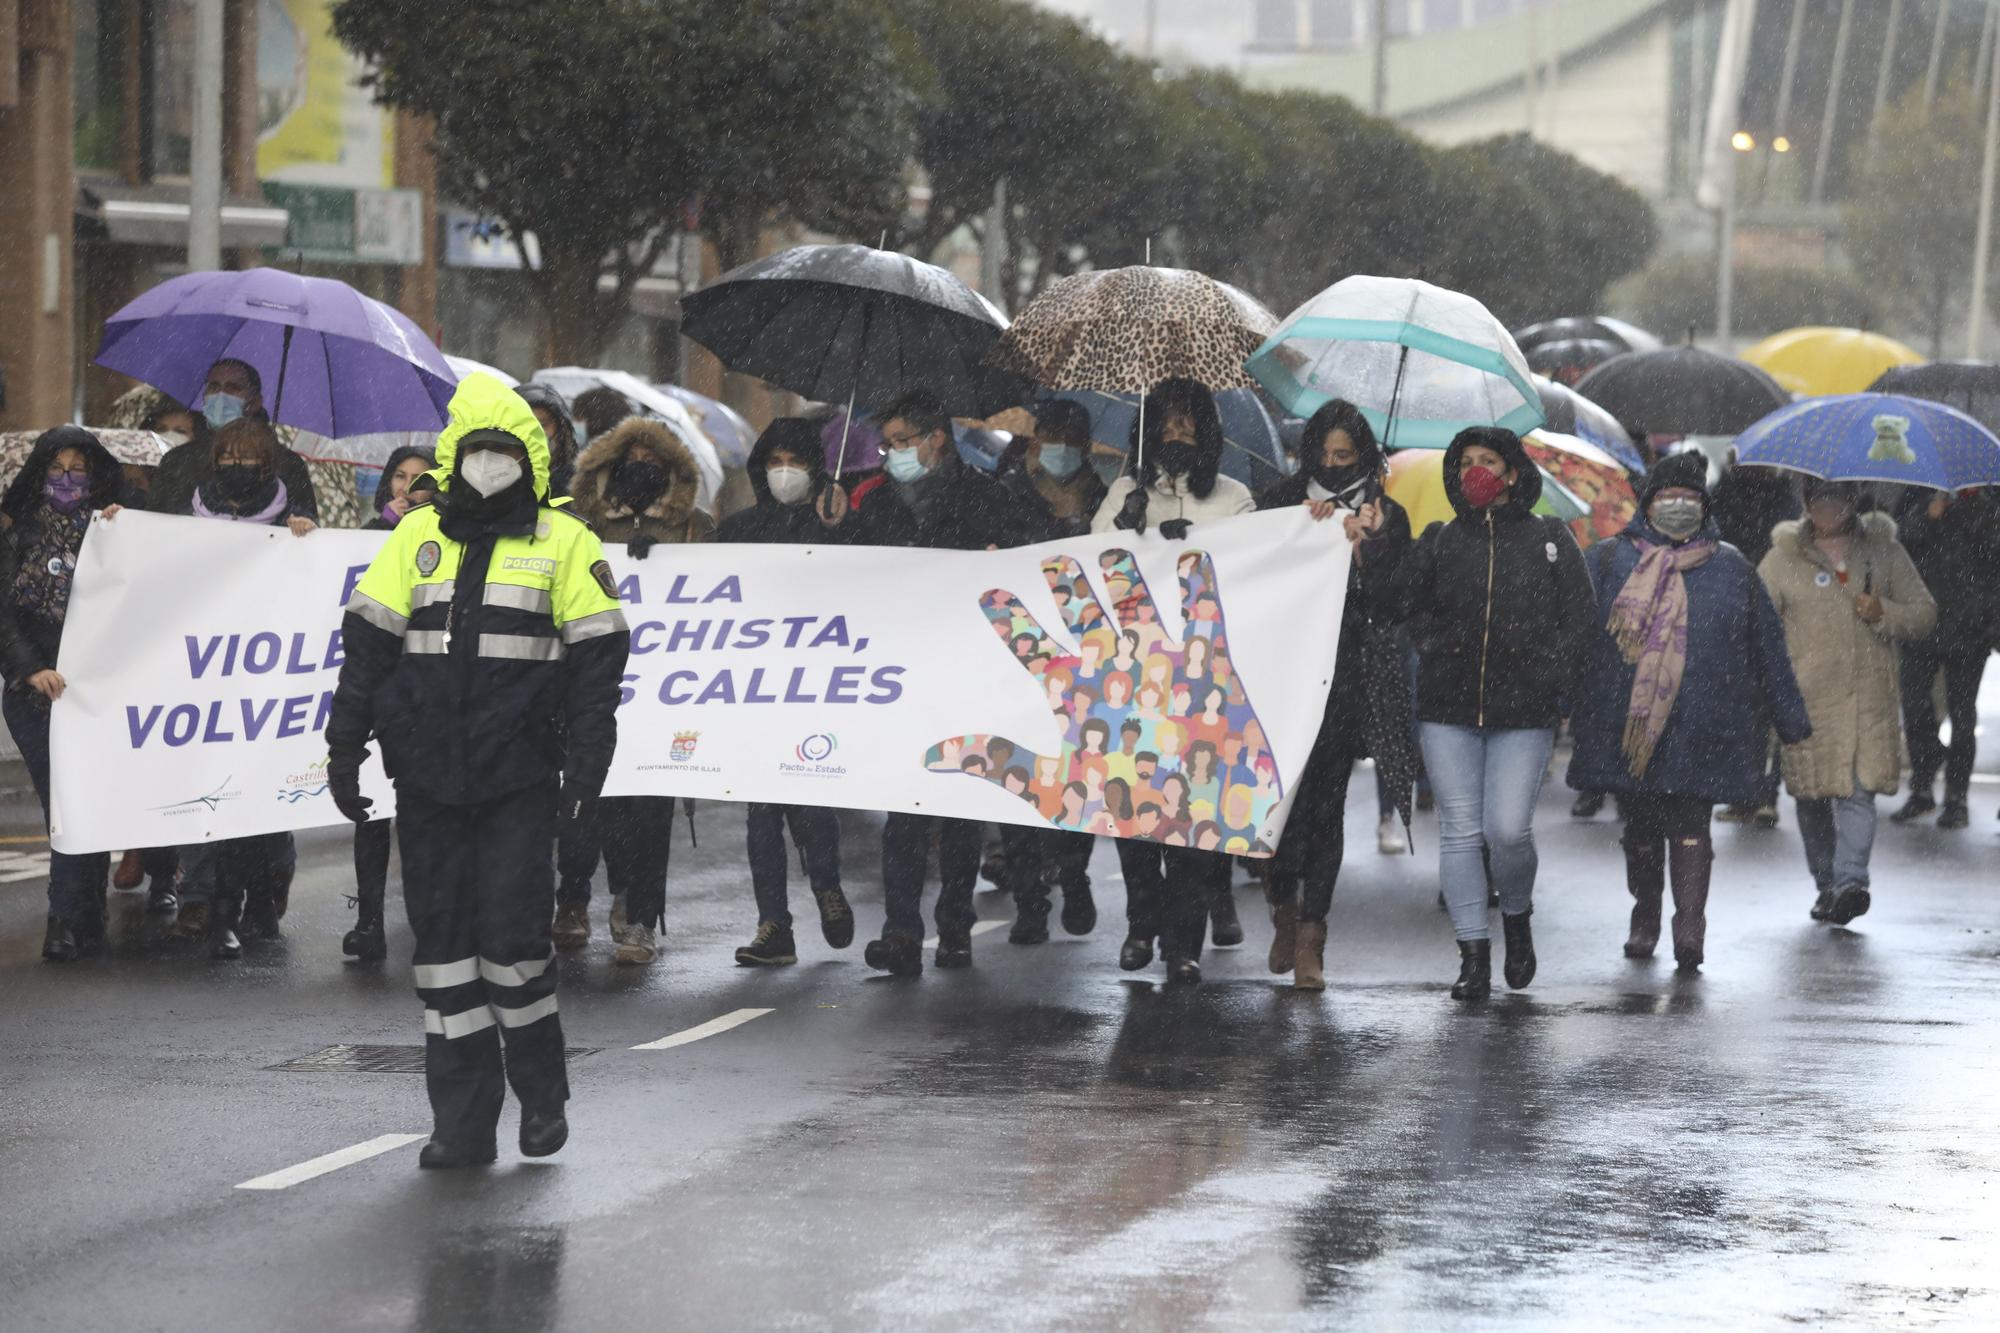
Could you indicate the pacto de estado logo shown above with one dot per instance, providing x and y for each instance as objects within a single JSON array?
[{"x": 817, "y": 748}]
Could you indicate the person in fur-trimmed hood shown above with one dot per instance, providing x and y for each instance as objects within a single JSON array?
[{"x": 638, "y": 485}]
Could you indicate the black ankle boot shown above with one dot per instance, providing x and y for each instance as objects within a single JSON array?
[
  {"x": 59, "y": 942},
  {"x": 1520, "y": 967},
  {"x": 366, "y": 943},
  {"x": 1475, "y": 970},
  {"x": 1226, "y": 928}
]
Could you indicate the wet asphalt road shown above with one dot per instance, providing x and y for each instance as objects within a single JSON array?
[{"x": 1807, "y": 1134}]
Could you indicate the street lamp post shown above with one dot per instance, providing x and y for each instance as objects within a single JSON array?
[{"x": 1725, "y": 262}]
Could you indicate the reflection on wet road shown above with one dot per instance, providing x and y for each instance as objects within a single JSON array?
[{"x": 1804, "y": 1135}]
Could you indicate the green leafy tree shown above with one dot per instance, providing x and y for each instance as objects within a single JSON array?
[
  {"x": 1913, "y": 212},
  {"x": 594, "y": 125}
]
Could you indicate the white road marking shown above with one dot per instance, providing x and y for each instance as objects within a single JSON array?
[
  {"x": 978, "y": 928},
  {"x": 735, "y": 1018},
  {"x": 17, "y": 866},
  {"x": 333, "y": 1161}
]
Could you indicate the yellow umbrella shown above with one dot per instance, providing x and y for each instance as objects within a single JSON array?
[{"x": 1817, "y": 361}]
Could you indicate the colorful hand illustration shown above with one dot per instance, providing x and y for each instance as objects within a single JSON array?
[{"x": 1160, "y": 742}]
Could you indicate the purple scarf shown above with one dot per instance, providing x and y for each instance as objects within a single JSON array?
[{"x": 1649, "y": 624}]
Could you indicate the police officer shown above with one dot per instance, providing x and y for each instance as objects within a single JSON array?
[{"x": 485, "y": 647}]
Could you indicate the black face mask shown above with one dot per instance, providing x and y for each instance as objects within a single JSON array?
[
  {"x": 1339, "y": 478},
  {"x": 238, "y": 481},
  {"x": 1176, "y": 458},
  {"x": 638, "y": 483}
]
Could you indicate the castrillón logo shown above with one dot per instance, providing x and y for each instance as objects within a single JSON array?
[{"x": 303, "y": 786}]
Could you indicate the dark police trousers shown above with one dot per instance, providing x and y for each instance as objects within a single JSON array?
[
  {"x": 480, "y": 890},
  {"x": 1029, "y": 851}
]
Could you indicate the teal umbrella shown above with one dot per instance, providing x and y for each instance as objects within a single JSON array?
[{"x": 1421, "y": 362}]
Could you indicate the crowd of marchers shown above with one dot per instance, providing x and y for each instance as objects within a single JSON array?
[{"x": 1735, "y": 635}]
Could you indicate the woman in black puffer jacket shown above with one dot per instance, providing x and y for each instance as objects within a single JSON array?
[{"x": 1502, "y": 614}]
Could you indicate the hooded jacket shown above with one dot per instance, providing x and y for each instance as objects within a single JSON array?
[
  {"x": 38, "y": 551},
  {"x": 1500, "y": 608},
  {"x": 484, "y": 651},
  {"x": 1737, "y": 673},
  {"x": 563, "y": 448},
  {"x": 673, "y": 517},
  {"x": 767, "y": 520},
  {"x": 186, "y": 466},
  {"x": 1846, "y": 667}
]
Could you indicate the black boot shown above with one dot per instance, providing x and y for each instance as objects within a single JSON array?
[
  {"x": 59, "y": 942},
  {"x": 1136, "y": 953},
  {"x": 543, "y": 1133},
  {"x": 1183, "y": 972},
  {"x": 1079, "y": 911},
  {"x": 259, "y": 918},
  {"x": 160, "y": 898},
  {"x": 441, "y": 1156},
  {"x": 1822, "y": 908},
  {"x": 1954, "y": 814},
  {"x": 1031, "y": 925},
  {"x": 1586, "y": 805},
  {"x": 897, "y": 954},
  {"x": 1475, "y": 970},
  {"x": 955, "y": 946},
  {"x": 1919, "y": 805},
  {"x": 366, "y": 943},
  {"x": 1225, "y": 928},
  {"x": 1520, "y": 967}
]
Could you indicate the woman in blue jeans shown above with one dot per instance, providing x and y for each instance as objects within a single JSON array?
[
  {"x": 1501, "y": 613},
  {"x": 47, "y": 509}
]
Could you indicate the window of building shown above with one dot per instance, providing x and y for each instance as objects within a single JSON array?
[
  {"x": 99, "y": 82},
  {"x": 1275, "y": 24},
  {"x": 1330, "y": 22}
]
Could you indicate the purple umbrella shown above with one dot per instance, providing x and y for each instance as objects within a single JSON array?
[{"x": 332, "y": 361}]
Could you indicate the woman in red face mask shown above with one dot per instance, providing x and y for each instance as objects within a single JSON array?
[{"x": 1502, "y": 614}]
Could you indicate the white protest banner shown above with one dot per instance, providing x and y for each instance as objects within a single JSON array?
[{"x": 1132, "y": 687}]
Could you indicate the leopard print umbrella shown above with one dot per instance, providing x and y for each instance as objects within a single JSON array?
[{"x": 1123, "y": 330}]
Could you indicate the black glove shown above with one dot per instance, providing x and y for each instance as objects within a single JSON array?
[
  {"x": 639, "y": 546},
  {"x": 1175, "y": 529},
  {"x": 1132, "y": 514},
  {"x": 343, "y": 780},
  {"x": 573, "y": 806}
]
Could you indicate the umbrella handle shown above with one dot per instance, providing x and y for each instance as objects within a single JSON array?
[{"x": 846, "y": 425}]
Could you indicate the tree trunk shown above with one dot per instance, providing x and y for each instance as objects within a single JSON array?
[{"x": 573, "y": 334}]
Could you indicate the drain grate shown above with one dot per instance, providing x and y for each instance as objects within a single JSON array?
[{"x": 348, "y": 1059}]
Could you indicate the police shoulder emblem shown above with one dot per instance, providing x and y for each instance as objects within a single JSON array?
[
  {"x": 1550, "y": 547},
  {"x": 428, "y": 556},
  {"x": 601, "y": 571}
]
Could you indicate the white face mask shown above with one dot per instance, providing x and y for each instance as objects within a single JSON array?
[
  {"x": 788, "y": 484},
  {"x": 489, "y": 471}
]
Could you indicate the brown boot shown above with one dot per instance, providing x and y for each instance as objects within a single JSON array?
[
  {"x": 1284, "y": 935},
  {"x": 572, "y": 925},
  {"x": 1689, "y": 859},
  {"x": 1646, "y": 881},
  {"x": 1311, "y": 973},
  {"x": 131, "y": 872}
]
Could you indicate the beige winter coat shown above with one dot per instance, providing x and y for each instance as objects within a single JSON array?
[{"x": 1846, "y": 667}]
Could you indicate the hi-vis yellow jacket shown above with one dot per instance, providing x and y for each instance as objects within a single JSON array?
[{"x": 488, "y": 664}]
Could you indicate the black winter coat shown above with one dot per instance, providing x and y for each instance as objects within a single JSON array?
[
  {"x": 1040, "y": 515},
  {"x": 1500, "y": 610},
  {"x": 1958, "y": 556},
  {"x": 966, "y": 510},
  {"x": 186, "y": 466}
]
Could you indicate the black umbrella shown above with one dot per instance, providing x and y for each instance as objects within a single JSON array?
[
  {"x": 1682, "y": 391},
  {"x": 1973, "y": 387},
  {"x": 1596, "y": 328},
  {"x": 848, "y": 323},
  {"x": 1560, "y": 355},
  {"x": 1568, "y": 412}
]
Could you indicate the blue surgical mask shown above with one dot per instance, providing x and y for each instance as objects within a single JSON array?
[
  {"x": 904, "y": 465},
  {"x": 1061, "y": 460},
  {"x": 221, "y": 409}
]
